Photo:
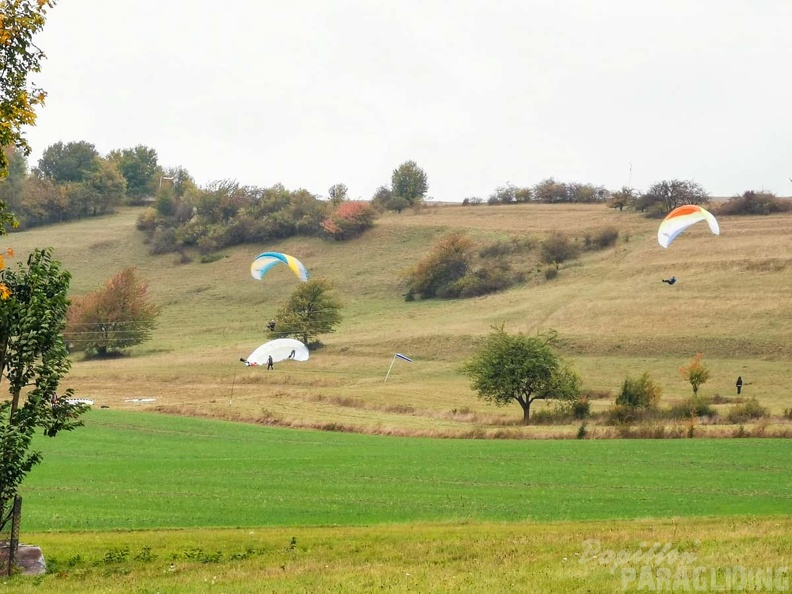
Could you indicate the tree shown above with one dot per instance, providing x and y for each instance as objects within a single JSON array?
[
  {"x": 33, "y": 358},
  {"x": 409, "y": 182},
  {"x": 115, "y": 317},
  {"x": 311, "y": 310},
  {"x": 71, "y": 162},
  {"x": 665, "y": 196},
  {"x": 20, "y": 21},
  {"x": 140, "y": 170},
  {"x": 624, "y": 198},
  {"x": 695, "y": 372},
  {"x": 12, "y": 186},
  {"x": 550, "y": 191},
  {"x": 519, "y": 368},
  {"x": 338, "y": 194}
]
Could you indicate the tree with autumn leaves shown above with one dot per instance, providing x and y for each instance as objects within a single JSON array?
[
  {"x": 20, "y": 21},
  {"x": 115, "y": 317}
]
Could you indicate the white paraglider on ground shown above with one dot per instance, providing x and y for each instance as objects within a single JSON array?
[{"x": 281, "y": 349}]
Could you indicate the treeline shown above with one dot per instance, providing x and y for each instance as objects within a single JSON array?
[{"x": 73, "y": 181}]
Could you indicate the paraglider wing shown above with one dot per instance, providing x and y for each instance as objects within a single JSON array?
[
  {"x": 680, "y": 219},
  {"x": 280, "y": 349},
  {"x": 267, "y": 260}
]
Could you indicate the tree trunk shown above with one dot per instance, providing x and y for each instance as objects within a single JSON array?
[{"x": 526, "y": 411}]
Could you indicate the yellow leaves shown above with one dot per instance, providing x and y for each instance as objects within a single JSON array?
[{"x": 5, "y": 292}]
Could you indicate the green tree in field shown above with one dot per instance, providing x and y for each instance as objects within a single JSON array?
[
  {"x": 20, "y": 21},
  {"x": 311, "y": 310},
  {"x": 338, "y": 193},
  {"x": 409, "y": 182},
  {"x": 140, "y": 170},
  {"x": 695, "y": 372},
  {"x": 113, "y": 318},
  {"x": 70, "y": 162},
  {"x": 33, "y": 360},
  {"x": 518, "y": 368}
]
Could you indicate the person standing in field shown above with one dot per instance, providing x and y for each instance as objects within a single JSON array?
[
  {"x": 269, "y": 363},
  {"x": 739, "y": 384}
]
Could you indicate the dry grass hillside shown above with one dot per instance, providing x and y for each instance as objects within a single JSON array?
[{"x": 732, "y": 303}]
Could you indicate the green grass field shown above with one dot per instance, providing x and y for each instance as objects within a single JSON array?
[{"x": 142, "y": 471}]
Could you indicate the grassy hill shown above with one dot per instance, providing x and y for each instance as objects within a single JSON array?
[{"x": 614, "y": 315}]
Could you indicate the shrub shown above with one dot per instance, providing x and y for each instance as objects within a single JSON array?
[
  {"x": 746, "y": 411},
  {"x": 601, "y": 239},
  {"x": 755, "y": 203},
  {"x": 349, "y": 220},
  {"x": 639, "y": 393},
  {"x": 694, "y": 406},
  {"x": 558, "y": 248},
  {"x": 163, "y": 241},
  {"x": 550, "y": 272},
  {"x": 447, "y": 262}
]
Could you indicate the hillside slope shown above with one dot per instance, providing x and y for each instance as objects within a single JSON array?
[{"x": 614, "y": 315}]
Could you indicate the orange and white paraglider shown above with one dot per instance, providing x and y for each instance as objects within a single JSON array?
[{"x": 680, "y": 219}]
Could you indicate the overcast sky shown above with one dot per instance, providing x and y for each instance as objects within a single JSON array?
[{"x": 479, "y": 93}]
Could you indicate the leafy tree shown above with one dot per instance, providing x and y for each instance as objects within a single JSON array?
[
  {"x": 519, "y": 368},
  {"x": 103, "y": 189},
  {"x": 695, "y": 372},
  {"x": 311, "y": 310},
  {"x": 20, "y": 21},
  {"x": 71, "y": 162},
  {"x": 382, "y": 197},
  {"x": 139, "y": 167},
  {"x": 503, "y": 195},
  {"x": 12, "y": 186},
  {"x": 409, "y": 182},
  {"x": 665, "y": 196},
  {"x": 33, "y": 358},
  {"x": 338, "y": 194},
  {"x": 550, "y": 191},
  {"x": 116, "y": 316},
  {"x": 624, "y": 198}
]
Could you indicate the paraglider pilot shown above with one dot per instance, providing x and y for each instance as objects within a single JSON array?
[
  {"x": 269, "y": 363},
  {"x": 739, "y": 384},
  {"x": 670, "y": 281}
]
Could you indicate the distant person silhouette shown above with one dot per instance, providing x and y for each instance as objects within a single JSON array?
[
  {"x": 670, "y": 281},
  {"x": 739, "y": 384},
  {"x": 269, "y": 363}
]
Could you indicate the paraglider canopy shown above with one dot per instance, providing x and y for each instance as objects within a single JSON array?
[
  {"x": 680, "y": 219},
  {"x": 281, "y": 349},
  {"x": 267, "y": 260}
]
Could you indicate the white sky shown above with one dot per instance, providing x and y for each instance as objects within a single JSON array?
[{"x": 310, "y": 93}]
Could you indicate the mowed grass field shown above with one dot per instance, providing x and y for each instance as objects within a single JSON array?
[
  {"x": 141, "y": 471},
  {"x": 310, "y": 511},
  {"x": 732, "y": 303}
]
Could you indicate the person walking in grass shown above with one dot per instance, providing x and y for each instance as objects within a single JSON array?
[{"x": 269, "y": 363}]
